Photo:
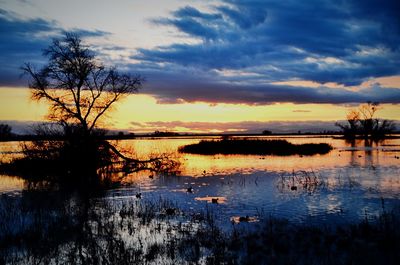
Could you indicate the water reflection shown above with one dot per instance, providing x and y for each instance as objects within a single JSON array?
[
  {"x": 350, "y": 179},
  {"x": 209, "y": 199},
  {"x": 244, "y": 219},
  {"x": 57, "y": 228}
]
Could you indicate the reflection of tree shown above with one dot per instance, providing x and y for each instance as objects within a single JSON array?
[
  {"x": 370, "y": 150},
  {"x": 57, "y": 228}
]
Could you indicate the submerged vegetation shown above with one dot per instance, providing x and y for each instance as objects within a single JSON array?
[
  {"x": 78, "y": 230},
  {"x": 254, "y": 147}
]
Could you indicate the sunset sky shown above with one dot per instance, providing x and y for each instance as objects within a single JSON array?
[{"x": 216, "y": 66}]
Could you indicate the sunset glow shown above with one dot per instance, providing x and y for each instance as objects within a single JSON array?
[
  {"x": 210, "y": 68},
  {"x": 199, "y": 132},
  {"x": 141, "y": 113}
]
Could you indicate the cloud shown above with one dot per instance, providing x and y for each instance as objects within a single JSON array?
[
  {"x": 22, "y": 40},
  {"x": 262, "y": 42},
  {"x": 236, "y": 51},
  {"x": 301, "y": 110},
  {"x": 236, "y": 127},
  {"x": 170, "y": 87},
  {"x": 245, "y": 17},
  {"x": 27, "y": 127},
  {"x": 189, "y": 11}
]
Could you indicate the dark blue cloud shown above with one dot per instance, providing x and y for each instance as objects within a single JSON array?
[
  {"x": 191, "y": 27},
  {"x": 22, "y": 40},
  {"x": 192, "y": 12},
  {"x": 18, "y": 42},
  {"x": 245, "y": 17},
  {"x": 169, "y": 89},
  {"x": 266, "y": 41},
  {"x": 242, "y": 47},
  {"x": 193, "y": 22}
]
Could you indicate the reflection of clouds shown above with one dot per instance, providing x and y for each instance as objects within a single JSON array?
[
  {"x": 212, "y": 199},
  {"x": 244, "y": 219},
  {"x": 333, "y": 204},
  {"x": 313, "y": 206},
  {"x": 321, "y": 205}
]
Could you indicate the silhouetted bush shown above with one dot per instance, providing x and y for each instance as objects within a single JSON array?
[
  {"x": 254, "y": 147},
  {"x": 5, "y": 131},
  {"x": 361, "y": 122}
]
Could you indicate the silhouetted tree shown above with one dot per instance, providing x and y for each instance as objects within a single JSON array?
[
  {"x": 5, "y": 131},
  {"x": 80, "y": 91},
  {"x": 362, "y": 122},
  {"x": 76, "y": 85},
  {"x": 266, "y": 132}
]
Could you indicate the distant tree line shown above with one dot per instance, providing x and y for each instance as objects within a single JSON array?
[
  {"x": 362, "y": 122},
  {"x": 5, "y": 132},
  {"x": 166, "y": 133}
]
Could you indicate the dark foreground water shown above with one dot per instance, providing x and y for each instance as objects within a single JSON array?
[{"x": 218, "y": 209}]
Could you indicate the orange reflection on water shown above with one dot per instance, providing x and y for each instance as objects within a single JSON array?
[
  {"x": 9, "y": 184},
  {"x": 357, "y": 157},
  {"x": 343, "y": 155}
]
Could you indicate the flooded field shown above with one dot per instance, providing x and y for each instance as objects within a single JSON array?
[{"x": 356, "y": 180}]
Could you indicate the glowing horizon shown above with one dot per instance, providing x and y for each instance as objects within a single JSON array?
[{"x": 141, "y": 113}]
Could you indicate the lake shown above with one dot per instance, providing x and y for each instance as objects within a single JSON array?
[{"x": 356, "y": 180}]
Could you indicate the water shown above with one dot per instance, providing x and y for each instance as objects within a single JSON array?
[{"x": 354, "y": 181}]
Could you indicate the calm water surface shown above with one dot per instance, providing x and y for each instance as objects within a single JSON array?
[{"x": 353, "y": 181}]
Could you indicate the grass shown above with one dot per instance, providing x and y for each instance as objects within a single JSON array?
[
  {"x": 254, "y": 147},
  {"x": 39, "y": 229}
]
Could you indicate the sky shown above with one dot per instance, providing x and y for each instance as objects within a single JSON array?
[{"x": 216, "y": 66}]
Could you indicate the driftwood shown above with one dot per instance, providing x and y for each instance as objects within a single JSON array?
[{"x": 160, "y": 164}]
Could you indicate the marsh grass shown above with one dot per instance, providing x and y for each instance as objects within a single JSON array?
[
  {"x": 80, "y": 230},
  {"x": 307, "y": 181},
  {"x": 254, "y": 147},
  {"x": 311, "y": 182}
]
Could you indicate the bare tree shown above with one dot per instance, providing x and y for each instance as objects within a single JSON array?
[
  {"x": 79, "y": 89},
  {"x": 363, "y": 122}
]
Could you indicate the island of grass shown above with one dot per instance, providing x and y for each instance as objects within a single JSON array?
[{"x": 254, "y": 147}]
